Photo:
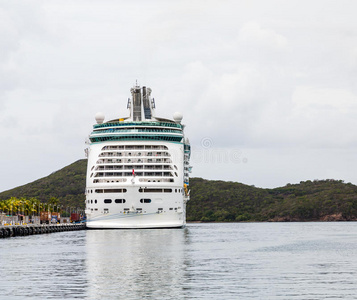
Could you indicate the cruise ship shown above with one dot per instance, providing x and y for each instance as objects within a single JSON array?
[{"x": 138, "y": 168}]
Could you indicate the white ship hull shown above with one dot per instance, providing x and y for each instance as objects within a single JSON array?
[{"x": 137, "y": 221}]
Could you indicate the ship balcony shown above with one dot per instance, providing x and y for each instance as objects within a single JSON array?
[
  {"x": 130, "y": 174},
  {"x": 130, "y": 167},
  {"x": 135, "y": 154},
  {"x": 135, "y": 161}
]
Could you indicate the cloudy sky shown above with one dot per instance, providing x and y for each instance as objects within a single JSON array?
[{"x": 268, "y": 88}]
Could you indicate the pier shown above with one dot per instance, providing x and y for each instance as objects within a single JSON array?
[{"x": 23, "y": 230}]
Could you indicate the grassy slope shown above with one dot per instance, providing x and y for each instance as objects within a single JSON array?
[{"x": 67, "y": 184}]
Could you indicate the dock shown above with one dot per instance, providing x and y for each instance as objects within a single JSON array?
[{"x": 30, "y": 229}]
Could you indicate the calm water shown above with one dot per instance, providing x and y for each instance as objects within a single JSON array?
[{"x": 202, "y": 261}]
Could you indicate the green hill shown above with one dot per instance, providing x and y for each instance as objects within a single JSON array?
[
  {"x": 67, "y": 184},
  {"x": 319, "y": 200},
  {"x": 325, "y": 200}
]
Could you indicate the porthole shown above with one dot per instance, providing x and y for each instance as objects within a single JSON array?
[
  {"x": 145, "y": 200},
  {"x": 120, "y": 201},
  {"x": 107, "y": 200}
]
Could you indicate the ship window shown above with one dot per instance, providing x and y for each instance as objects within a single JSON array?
[
  {"x": 91, "y": 201},
  {"x": 106, "y": 210},
  {"x": 120, "y": 201},
  {"x": 150, "y": 190},
  {"x": 145, "y": 200},
  {"x": 95, "y": 201},
  {"x": 107, "y": 200},
  {"x": 147, "y": 190},
  {"x": 110, "y": 191},
  {"x": 170, "y": 208}
]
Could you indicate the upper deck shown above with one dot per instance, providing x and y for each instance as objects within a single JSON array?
[
  {"x": 136, "y": 124},
  {"x": 141, "y": 123}
]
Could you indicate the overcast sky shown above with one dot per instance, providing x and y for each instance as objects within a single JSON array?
[{"x": 268, "y": 89}]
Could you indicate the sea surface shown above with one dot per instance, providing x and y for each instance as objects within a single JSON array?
[{"x": 201, "y": 261}]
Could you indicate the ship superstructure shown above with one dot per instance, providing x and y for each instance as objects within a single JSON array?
[{"x": 138, "y": 168}]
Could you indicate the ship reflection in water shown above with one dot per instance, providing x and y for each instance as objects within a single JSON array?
[{"x": 135, "y": 264}]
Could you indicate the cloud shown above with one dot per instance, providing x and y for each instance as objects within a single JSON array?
[
  {"x": 272, "y": 79},
  {"x": 338, "y": 100},
  {"x": 254, "y": 35},
  {"x": 325, "y": 116}
]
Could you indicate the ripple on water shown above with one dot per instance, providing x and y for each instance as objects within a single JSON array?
[{"x": 203, "y": 261}]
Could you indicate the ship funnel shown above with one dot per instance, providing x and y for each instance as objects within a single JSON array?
[
  {"x": 146, "y": 102},
  {"x": 136, "y": 94}
]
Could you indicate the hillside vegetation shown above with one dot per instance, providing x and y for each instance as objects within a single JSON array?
[
  {"x": 67, "y": 184},
  {"x": 325, "y": 200}
]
